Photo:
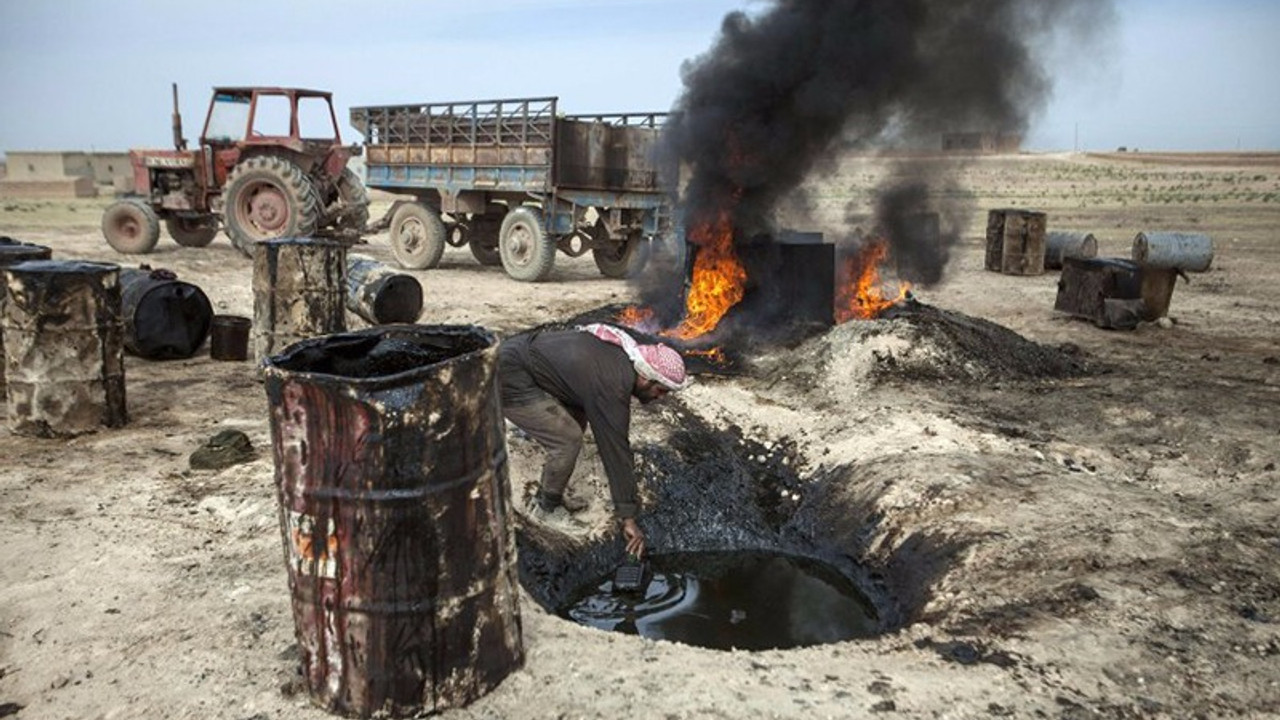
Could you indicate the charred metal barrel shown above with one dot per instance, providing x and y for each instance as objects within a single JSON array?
[
  {"x": 391, "y": 474},
  {"x": 381, "y": 295},
  {"x": 64, "y": 347},
  {"x": 299, "y": 292},
  {"x": 164, "y": 318},
  {"x": 1061, "y": 244},
  {"x": 1189, "y": 252},
  {"x": 13, "y": 252},
  {"x": 1015, "y": 241}
]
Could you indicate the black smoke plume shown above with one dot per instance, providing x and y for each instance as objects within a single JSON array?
[{"x": 786, "y": 90}]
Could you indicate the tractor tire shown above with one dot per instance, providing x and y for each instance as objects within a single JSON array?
[
  {"x": 192, "y": 232},
  {"x": 527, "y": 253},
  {"x": 417, "y": 236},
  {"x": 131, "y": 227},
  {"x": 268, "y": 197},
  {"x": 353, "y": 192},
  {"x": 621, "y": 259},
  {"x": 482, "y": 238}
]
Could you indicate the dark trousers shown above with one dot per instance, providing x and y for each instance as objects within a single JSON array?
[{"x": 559, "y": 431}]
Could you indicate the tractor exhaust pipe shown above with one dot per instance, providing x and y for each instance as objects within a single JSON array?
[{"x": 179, "y": 142}]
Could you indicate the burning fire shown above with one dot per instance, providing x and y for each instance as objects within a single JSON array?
[
  {"x": 859, "y": 293},
  {"x": 634, "y": 316},
  {"x": 717, "y": 282}
]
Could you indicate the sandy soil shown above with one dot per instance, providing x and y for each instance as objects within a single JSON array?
[{"x": 1097, "y": 546}]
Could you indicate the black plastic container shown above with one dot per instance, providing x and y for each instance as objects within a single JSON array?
[{"x": 229, "y": 337}]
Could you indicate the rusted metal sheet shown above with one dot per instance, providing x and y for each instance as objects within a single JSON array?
[
  {"x": 13, "y": 252},
  {"x": 1015, "y": 241},
  {"x": 64, "y": 347},
  {"x": 1060, "y": 244},
  {"x": 164, "y": 318},
  {"x": 390, "y": 467},
  {"x": 299, "y": 292},
  {"x": 381, "y": 295},
  {"x": 1189, "y": 252},
  {"x": 598, "y": 156}
]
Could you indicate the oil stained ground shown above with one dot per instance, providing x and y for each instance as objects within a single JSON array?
[{"x": 724, "y": 600}]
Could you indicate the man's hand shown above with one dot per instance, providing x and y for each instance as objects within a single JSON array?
[{"x": 635, "y": 537}]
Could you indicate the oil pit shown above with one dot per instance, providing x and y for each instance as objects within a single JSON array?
[
  {"x": 742, "y": 552},
  {"x": 730, "y": 600}
]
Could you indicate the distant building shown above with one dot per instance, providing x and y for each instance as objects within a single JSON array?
[
  {"x": 981, "y": 142},
  {"x": 63, "y": 174}
]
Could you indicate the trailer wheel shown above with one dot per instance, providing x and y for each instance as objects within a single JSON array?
[
  {"x": 527, "y": 253},
  {"x": 131, "y": 227},
  {"x": 269, "y": 197},
  {"x": 192, "y": 231},
  {"x": 417, "y": 236},
  {"x": 482, "y": 238},
  {"x": 621, "y": 259}
]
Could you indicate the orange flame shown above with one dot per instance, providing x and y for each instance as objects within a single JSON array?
[
  {"x": 634, "y": 316},
  {"x": 717, "y": 282},
  {"x": 714, "y": 356},
  {"x": 859, "y": 294}
]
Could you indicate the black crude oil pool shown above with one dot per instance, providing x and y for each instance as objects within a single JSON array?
[{"x": 749, "y": 600}]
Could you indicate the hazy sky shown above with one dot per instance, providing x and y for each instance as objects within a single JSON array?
[{"x": 95, "y": 74}]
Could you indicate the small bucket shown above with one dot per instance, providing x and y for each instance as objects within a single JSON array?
[{"x": 229, "y": 337}]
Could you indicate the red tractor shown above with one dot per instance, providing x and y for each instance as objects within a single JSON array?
[{"x": 271, "y": 163}]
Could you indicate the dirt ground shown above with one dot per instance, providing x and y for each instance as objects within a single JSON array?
[{"x": 1097, "y": 546}]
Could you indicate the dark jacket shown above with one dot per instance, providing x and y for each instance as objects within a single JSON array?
[{"x": 586, "y": 374}]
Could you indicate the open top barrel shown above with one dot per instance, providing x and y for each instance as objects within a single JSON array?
[
  {"x": 64, "y": 347},
  {"x": 391, "y": 474},
  {"x": 13, "y": 252}
]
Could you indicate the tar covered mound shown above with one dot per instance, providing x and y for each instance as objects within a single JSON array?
[{"x": 915, "y": 342}]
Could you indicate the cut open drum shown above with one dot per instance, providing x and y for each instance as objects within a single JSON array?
[{"x": 394, "y": 507}]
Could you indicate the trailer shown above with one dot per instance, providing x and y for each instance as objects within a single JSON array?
[{"x": 515, "y": 181}]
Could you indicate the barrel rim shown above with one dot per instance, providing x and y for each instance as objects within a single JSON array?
[
  {"x": 301, "y": 241},
  {"x": 49, "y": 265},
  {"x": 271, "y": 368}
]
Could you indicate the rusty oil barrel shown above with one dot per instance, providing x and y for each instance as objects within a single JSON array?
[
  {"x": 164, "y": 318},
  {"x": 13, "y": 252},
  {"x": 1189, "y": 252},
  {"x": 379, "y": 294},
  {"x": 64, "y": 347},
  {"x": 391, "y": 474},
  {"x": 1015, "y": 241},
  {"x": 299, "y": 292}
]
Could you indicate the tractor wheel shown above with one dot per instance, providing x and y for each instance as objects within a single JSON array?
[
  {"x": 482, "y": 238},
  {"x": 619, "y": 258},
  {"x": 131, "y": 227},
  {"x": 269, "y": 197},
  {"x": 192, "y": 231},
  {"x": 527, "y": 253},
  {"x": 417, "y": 236},
  {"x": 353, "y": 193}
]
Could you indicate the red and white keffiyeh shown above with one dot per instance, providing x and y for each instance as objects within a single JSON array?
[{"x": 656, "y": 362}]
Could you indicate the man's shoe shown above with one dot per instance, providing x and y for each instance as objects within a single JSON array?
[
  {"x": 557, "y": 519},
  {"x": 572, "y": 503},
  {"x": 575, "y": 504}
]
